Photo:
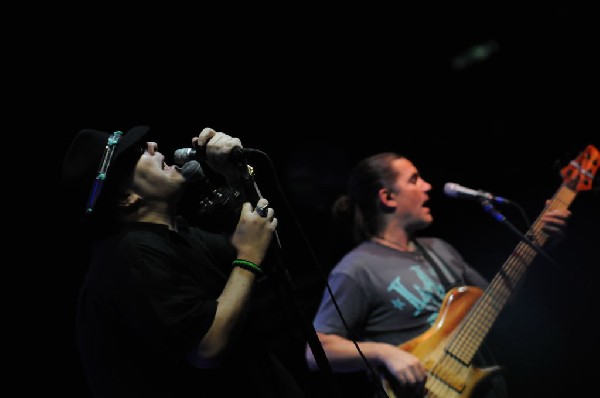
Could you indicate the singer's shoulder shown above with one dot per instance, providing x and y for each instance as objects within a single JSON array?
[
  {"x": 434, "y": 242},
  {"x": 441, "y": 247}
]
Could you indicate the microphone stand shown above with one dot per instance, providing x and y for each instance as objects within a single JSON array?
[
  {"x": 489, "y": 208},
  {"x": 253, "y": 193}
]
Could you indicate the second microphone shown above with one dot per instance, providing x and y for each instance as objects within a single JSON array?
[{"x": 184, "y": 155}]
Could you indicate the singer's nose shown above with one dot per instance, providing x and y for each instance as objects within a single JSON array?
[{"x": 152, "y": 147}]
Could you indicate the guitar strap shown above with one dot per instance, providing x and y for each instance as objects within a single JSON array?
[{"x": 448, "y": 278}]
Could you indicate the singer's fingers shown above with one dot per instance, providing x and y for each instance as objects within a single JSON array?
[
  {"x": 262, "y": 207},
  {"x": 556, "y": 217},
  {"x": 262, "y": 211},
  {"x": 206, "y": 134},
  {"x": 223, "y": 143},
  {"x": 247, "y": 207}
]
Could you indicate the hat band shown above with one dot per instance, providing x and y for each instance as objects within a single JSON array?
[{"x": 109, "y": 150}]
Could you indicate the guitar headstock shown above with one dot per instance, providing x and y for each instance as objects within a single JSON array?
[{"x": 580, "y": 172}]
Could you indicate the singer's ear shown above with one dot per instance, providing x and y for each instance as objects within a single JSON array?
[
  {"x": 385, "y": 196},
  {"x": 129, "y": 199}
]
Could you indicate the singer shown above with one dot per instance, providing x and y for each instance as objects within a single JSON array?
[
  {"x": 165, "y": 307},
  {"x": 390, "y": 285}
]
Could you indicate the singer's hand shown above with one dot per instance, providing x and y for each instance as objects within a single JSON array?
[
  {"x": 555, "y": 221},
  {"x": 254, "y": 232},
  {"x": 217, "y": 147}
]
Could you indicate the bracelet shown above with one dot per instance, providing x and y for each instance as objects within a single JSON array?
[{"x": 248, "y": 265}]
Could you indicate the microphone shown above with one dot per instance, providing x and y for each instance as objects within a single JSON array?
[
  {"x": 192, "y": 171},
  {"x": 457, "y": 191},
  {"x": 210, "y": 196},
  {"x": 184, "y": 155}
]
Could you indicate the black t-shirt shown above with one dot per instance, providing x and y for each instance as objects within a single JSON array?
[{"x": 148, "y": 298}]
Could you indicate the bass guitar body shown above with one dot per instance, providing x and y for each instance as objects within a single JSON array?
[{"x": 448, "y": 377}]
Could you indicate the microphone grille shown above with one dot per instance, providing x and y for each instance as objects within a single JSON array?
[
  {"x": 192, "y": 171},
  {"x": 182, "y": 155},
  {"x": 450, "y": 188}
]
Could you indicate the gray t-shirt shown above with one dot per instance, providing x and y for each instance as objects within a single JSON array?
[{"x": 388, "y": 295}]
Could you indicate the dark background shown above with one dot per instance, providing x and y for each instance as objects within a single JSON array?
[{"x": 493, "y": 98}]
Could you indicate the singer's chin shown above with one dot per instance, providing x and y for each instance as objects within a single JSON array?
[{"x": 426, "y": 218}]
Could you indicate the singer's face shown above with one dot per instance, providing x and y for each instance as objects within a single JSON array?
[
  {"x": 153, "y": 179},
  {"x": 410, "y": 194}
]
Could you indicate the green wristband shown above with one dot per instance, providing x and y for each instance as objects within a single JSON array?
[{"x": 248, "y": 265}]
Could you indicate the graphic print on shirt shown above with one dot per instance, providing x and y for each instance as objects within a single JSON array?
[{"x": 426, "y": 295}]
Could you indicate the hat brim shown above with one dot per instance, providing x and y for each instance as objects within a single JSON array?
[{"x": 130, "y": 139}]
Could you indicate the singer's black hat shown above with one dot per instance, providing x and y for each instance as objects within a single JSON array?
[{"x": 82, "y": 162}]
